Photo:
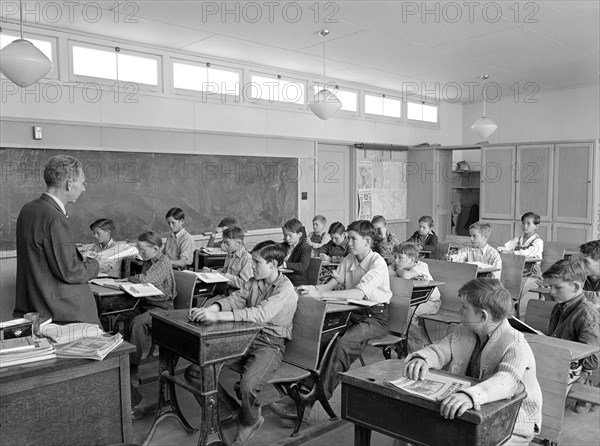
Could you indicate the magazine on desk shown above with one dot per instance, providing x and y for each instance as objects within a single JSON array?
[
  {"x": 342, "y": 301},
  {"x": 41, "y": 351},
  {"x": 210, "y": 277},
  {"x": 432, "y": 386},
  {"x": 134, "y": 289},
  {"x": 90, "y": 348}
]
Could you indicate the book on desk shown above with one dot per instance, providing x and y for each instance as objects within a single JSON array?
[
  {"x": 209, "y": 277},
  {"x": 432, "y": 386},
  {"x": 339, "y": 300},
  {"x": 95, "y": 348},
  {"x": 133, "y": 289}
]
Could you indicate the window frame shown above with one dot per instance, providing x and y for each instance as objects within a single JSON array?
[
  {"x": 221, "y": 97},
  {"x": 418, "y": 121},
  {"x": 277, "y": 104},
  {"x": 383, "y": 117},
  {"x": 342, "y": 112}
]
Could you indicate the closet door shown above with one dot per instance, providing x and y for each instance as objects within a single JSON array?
[
  {"x": 498, "y": 182},
  {"x": 534, "y": 179},
  {"x": 333, "y": 184}
]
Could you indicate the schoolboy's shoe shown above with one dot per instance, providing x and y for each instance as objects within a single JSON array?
[
  {"x": 246, "y": 433},
  {"x": 284, "y": 408},
  {"x": 582, "y": 407}
]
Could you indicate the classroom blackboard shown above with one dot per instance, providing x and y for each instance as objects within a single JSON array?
[{"x": 137, "y": 189}]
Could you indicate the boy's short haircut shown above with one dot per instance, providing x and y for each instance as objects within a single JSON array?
[
  {"x": 379, "y": 219},
  {"x": 270, "y": 250},
  {"x": 336, "y": 228},
  {"x": 321, "y": 219},
  {"x": 566, "y": 270},
  {"x": 227, "y": 222},
  {"x": 408, "y": 249},
  {"x": 151, "y": 237},
  {"x": 294, "y": 225},
  {"x": 426, "y": 219},
  {"x": 176, "y": 213},
  {"x": 591, "y": 249},
  {"x": 535, "y": 217},
  {"x": 488, "y": 294},
  {"x": 484, "y": 228},
  {"x": 106, "y": 224},
  {"x": 233, "y": 233},
  {"x": 364, "y": 228}
]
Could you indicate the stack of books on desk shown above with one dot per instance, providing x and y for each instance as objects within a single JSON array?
[
  {"x": 24, "y": 350},
  {"x": 90, "y": 348}
]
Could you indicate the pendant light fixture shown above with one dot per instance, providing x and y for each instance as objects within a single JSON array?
[
  {"x": 22, "y": 62},
  {"x": 325, "y": 104},
  {"x": 484, "y": 126}
]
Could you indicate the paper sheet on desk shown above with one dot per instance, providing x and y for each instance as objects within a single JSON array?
[
  {"x": 432, "y": 386},
  {"x": 62, "y": 334}
]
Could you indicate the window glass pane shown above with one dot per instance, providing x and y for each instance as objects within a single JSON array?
[
  {"x": 189, "y": 77},
  {"x": 422, "y": 112},
  {"x": 430, "y": 113},
  {"x": 349, "y": 99},
  {"x": 225, "y": 81},
  {"x": 271, "y": 89},
  {"x": 291, "y": 92},
  {"x": 414, "y": 111},
  {"x": 392, "y": 107},
  {"x": 42, "y": 45},
  {"x": 137, "y": 69},
  {"x": 373, "y": 104},
  {"x": 95, "y": 63}
]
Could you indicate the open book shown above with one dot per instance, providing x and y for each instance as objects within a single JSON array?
[
  {"x": 134, "y": 289},
  {"x": 432, "y": 386},
  {"x": 339, "y": 300},
  {"x": 90, "y": 348},
  {"x": 210, "y": 277},
  {"x": 213, "y": 251}
]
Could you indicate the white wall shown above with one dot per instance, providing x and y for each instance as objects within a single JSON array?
[{"x": 557, "y": 115}]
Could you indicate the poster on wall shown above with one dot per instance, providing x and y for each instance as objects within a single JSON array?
[
  {"x": 382, "y": 188},
  {"x": 365, "y": 204},
  {"x": 365, "y": 175}
]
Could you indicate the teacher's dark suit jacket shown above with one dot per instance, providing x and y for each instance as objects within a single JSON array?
[{"x": 51, "y": 273}]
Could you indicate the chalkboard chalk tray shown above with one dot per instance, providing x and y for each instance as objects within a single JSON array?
[{"x": 137, "y": 189}]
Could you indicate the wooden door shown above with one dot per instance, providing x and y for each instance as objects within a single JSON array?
[
  {"x": 573, "y": 164},
  {"x": 534, "y": 179},
  {"x": 502, "y": 231},
  {"x": 498, "y": 182},
  {"x": 333, "y": 184},
  {"x": 443, "y": 193}
]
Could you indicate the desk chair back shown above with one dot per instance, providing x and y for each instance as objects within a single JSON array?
[
  {"x": 184, "y": 283},
  {"x": 314, "y": 266},
  {"x": 303, "y": 349},
  {"x": 555, "y": 251},
  {"x": 455, "y": 275},
  {"x": 552, "y": 368},
  {"x": 538, "y": 314},
  {"x": 512, "y": 275},
  {"x": 441, "y": 251},
  {"x": 399, "y": 305}
]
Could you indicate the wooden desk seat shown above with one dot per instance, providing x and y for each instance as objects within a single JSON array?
[
  {"x": 585, "y": 393},
  {"x": 538, "y": 314},
  {"x": 513, "y": 267},
  {"x": 302, "y": 359}
]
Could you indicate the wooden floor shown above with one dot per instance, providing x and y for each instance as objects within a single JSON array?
[{"x": 579, "y": 430}]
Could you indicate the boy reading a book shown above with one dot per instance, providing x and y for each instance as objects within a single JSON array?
[
  {"x": 487, "y": 348},
  {"x": 479, "y": 251},
  {"x": 590, "y": 255},
  {"x": 362, "y": 275},
  {"x": 573, "y": 317},
  {"x": 268, "y": 299},
  {"x": 407, "y": 265},
  {"x": 238, "y": 261}
]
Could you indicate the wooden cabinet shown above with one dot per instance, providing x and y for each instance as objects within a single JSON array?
[{"x": 554, "y": 180}]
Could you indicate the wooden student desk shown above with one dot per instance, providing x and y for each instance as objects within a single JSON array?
[
  {"x": 202, "y": 259},
  {"x": 372, "y": 405},
  {"x": 67, "y": 401},
  {"x": 206, "y": 345},
  {"x": 578, "y": 350},
  {"x": 110, "y": 303}
]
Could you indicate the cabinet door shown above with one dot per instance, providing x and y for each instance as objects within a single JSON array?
[
  {"x": 443, "y": 193},
  {"x": 534, "y": 177},
  {"x": 498, "y": 182},
  {"x": 502, "y": 231},
  {"x": 573, "y": 164},
  {"x": 576, "y": 234}
]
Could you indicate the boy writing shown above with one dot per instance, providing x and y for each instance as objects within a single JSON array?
[
  {"x": 573, "y": 317},
  {"x": 362, "y": 275},
  {"x": 238, "y": 261},
  {"x": 385, "y": 240},
  {"x": 268, "y": 299},
  {"x": 590, "y": 254},
  {"x": 407, "y": 265},
  {"x": 479, "y": 251},
  {"x": 485, "y": 347},
  {"x": 337, "y": 248}
]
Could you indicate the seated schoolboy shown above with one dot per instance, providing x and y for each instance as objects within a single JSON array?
[
  {"x": 337, "y": 248},
  {"x": 106, "y": 250},
  {"x": 180, "y": 244},
  {"x": 424, "y": 237},
  {"x": 268, "y": 299},
  {"x": 573, "y": 317},
  {"x": 298, "y": 252},
  {"x": 158, "y": 271},
  {"x": 362, "y": 274},
  {"x": 221, "y": 226},
  {"x": 530, "y": 245},
  {"x": 479, "y": 251},
  {"x": 319, "y": 237},
  {"x": 407, "y": 266},
  {"x": 590, "y": 255},
  {"x": 385, "y": 241},
  {"x": 485, "y": 347},
  {"x": 238, "y": 261}
]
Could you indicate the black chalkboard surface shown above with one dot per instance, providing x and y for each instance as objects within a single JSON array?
[{"x": 137, "y": 189}]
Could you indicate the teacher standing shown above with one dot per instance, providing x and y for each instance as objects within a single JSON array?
[{"x": 52, "y": 275}]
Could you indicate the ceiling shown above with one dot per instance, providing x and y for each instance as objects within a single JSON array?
[{"x": 439, "y": 47}]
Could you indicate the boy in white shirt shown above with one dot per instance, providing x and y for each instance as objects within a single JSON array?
[{"x": 479, "y": 251}]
